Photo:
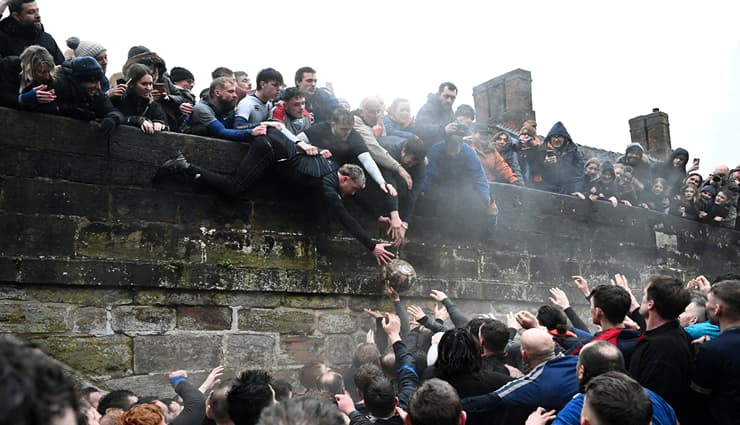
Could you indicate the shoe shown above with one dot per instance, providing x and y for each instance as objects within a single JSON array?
[{"x": 178, "y": 164}]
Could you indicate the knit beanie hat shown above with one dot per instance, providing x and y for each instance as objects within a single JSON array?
[
  {"x": 86, "y": 68},
  {"x": 635, "y": 146},
  {"x": 180, "y": 74},
  {"x": 709, "y": 188},
  {"x": 607, "y": 167},
  {"x": 84, "y": 48},
  {"x": 137, "y": 50}
]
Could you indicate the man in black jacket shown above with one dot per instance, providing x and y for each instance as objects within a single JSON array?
[
  {"x": 23, "y": 28},
  {"x": 663, "y": 358}
]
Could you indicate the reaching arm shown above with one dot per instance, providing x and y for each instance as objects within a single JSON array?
[
  {"x": 194, "y": 404},
  {"x": 218, "y": 130}
]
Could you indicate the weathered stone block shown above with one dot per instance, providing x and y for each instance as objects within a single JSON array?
[
  {"x": 90, "y": 320},
  {"x": 338, "y": 349},
  {"x": 33, "y": 318},
  {"x": 250, "y": 351},
  {"x": 142, "y": 319},
  {"x": 165, "y": 353},
  {"x": 203, "y": 318},
  {"x": 299, "y": 349},
  {"x": 131, "y": 241},
  {"x": 277, "y": 320},
  {"x": 108, "y": 356},
  {"x": 37, "y": 235},
  {"x": 66, "y": 166},
  {"x": 37, "y": 196},
  {"x": 334, "y": 323},
  {"x": 314, "y": 302},
  {"x": 146, "y": 205},
  {"x": 81, "y": 296},
  {"x": 13, "y": 293},
  {"x": 507, "y": 268}
]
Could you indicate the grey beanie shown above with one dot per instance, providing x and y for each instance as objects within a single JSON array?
[{"x": 85, "y": 48}]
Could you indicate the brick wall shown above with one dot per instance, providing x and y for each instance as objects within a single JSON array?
[{"x": 125, "y": 278}]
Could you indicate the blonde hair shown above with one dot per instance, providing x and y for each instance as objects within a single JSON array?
[{"x": 34, "y": 57}]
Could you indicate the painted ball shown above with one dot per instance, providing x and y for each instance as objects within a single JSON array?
[{"x": 399, "y": 275}]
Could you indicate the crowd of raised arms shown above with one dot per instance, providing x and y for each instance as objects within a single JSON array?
[
  {"x": 669, "y": 357},
  {"x": 304, "y": 133}
]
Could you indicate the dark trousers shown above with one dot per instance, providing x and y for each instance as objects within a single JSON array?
[{"x": 263, "y": 152}]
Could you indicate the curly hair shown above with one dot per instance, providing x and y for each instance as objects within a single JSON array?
[{"x": 143, "y": 414}]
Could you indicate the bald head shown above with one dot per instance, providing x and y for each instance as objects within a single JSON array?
[
  {"x": 537, "y": 346},
  {"x": 371, "y": 108},
  {"x": 598, "y": 357},
  {"x": 722, "y": 169}
]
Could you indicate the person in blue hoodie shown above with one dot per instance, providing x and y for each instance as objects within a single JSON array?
[
  {"x": 455, "y": 177},
  {"x": 560, "y": 162}
]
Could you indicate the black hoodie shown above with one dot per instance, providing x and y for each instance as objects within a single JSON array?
[{"x": 14, "y": 38}]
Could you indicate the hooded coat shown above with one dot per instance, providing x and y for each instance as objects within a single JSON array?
[
  {"x": 14, "y": 38},
  {"x": 566, "y": 174},
  {"x": 643, "y": 170},
  {"x": 431, "y": 121},
  {"x": 674, "y": 176},
  {"x": 72, "y": 100}
]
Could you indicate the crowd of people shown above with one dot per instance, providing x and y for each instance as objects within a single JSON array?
[
  {"x": 668, "y": 357},
  {"x": 441, "y": 156}
]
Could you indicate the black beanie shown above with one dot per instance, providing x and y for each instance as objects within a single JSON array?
[
  {"x": 137, "y": 50},
  {"x": 180, "y": 74},
  {"x": 86, "y": 68},
  {"x": 607, "y": 167}
]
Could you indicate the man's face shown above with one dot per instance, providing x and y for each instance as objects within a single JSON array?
[
  {"x": 633, "y": 157},
  {"x": 645, "y": 304},
  {"x": 226, "y": 97},
  {"x": 464, "y": 120},
  {"x": 348, "y": 187},
  {"x": 679, "y": 161},
  {"x": 712, "y": 309},
  {"x": 29, "y": 15},
  {"x": 269, "y": 89},
  {"x": 341, "y": 131},
  {"x": 722, "y": 170},
  {"x": 295, "y": 106},
  {"x": 307, "y": 85},
  {"x": 403, "y": 112},
  {"x": 90, "y": 87},
  {"x": 688, "y": 316},
  {"x": 407, "y": 160},
  {"x": 447, "y": 97},
  {"x": 595, "y": 318},
  {"x": 243, "y": 86},
  {"x": 557, "y": 141},
  {"x": 370, "y": 113}
]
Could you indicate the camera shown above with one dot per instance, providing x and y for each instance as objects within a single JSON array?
[
  {"x": 120, "y": 81},
  {"x": 717, "y": 177}
]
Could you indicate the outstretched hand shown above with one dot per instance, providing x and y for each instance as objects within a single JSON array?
[
  {"x": 540, "y": 417},
  {"x": 581, "y": 284},
  {"x": 559, "y": 299},
  {"x": 391, "y": 293},
  {"x": 382, "y": 256},
  {"x": 415, "y": 312},
  {"x": 211, "y": 380},
  {"x": 700, "y": 283},
  {"x": 438, "y": 296}
]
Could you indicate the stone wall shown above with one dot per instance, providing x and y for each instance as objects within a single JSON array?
[{"x": 125, "y": 278}]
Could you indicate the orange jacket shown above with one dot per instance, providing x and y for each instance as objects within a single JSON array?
[{"x": 497, "y": 170}]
